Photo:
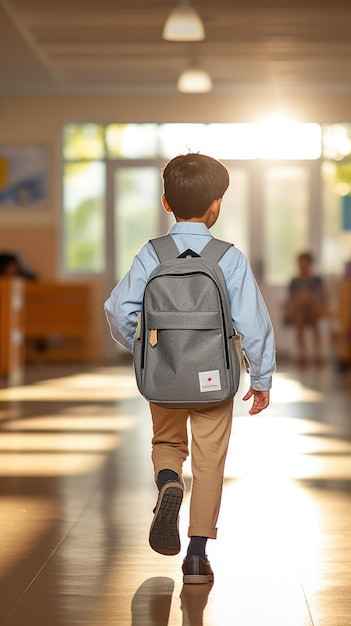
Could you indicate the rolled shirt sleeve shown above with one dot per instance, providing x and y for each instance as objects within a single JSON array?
[
  {"x": 250, "y": 318},
  {"x": 125, "y": 302}
]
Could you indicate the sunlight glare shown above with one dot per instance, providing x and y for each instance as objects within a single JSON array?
[
  {"x": 282, "y": 138},
  {"x": 281, "y": 448},
  {"x": 45, "y": 464},
  {"x": 289, "y": 390},
  {"x": 86, "y": 387},
  {"x": 71, "y": 422},
  {"x": 58, "y": 442}
]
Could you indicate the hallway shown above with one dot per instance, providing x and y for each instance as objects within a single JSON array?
[{"x": 77, "y": 495}]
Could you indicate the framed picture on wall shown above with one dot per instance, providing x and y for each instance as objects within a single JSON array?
[{"x": 23, "y": 176}]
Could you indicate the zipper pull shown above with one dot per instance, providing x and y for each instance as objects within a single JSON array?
[{"x": 153, "y": 337}]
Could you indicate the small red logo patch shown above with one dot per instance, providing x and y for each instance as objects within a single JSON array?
[{"x": 209, "y": 379}]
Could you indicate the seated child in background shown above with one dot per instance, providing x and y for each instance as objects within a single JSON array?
[{"x": 305, "y": 306}]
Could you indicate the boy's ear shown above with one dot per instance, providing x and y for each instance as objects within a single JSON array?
[
  {"x": 216, "y": 207},
  {"x": 165, "y": 204}
]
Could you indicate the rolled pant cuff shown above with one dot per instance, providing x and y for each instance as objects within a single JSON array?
[{"x": 202, "y": 531}]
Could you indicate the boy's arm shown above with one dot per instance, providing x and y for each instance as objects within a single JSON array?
[
  {"x": 251, "y": 320},
  {"x": 122, "y": 321},
  {"x": 125, "y": 302}
]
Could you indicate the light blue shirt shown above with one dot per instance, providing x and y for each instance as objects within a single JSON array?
[{"x": 249, "y": 312}]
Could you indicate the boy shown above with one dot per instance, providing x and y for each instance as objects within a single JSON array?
[{"x": 194, "y": 185}]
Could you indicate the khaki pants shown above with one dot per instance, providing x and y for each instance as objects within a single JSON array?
[{"x": 210, "y": 430}]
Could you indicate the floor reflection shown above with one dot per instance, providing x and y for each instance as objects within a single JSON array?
[{"x": 193, "y": 602}]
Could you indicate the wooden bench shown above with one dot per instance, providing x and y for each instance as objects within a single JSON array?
[{"x": 57, "y": 323}]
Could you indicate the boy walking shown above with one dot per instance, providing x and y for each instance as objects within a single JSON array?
[{"x": 194, "y": 185}]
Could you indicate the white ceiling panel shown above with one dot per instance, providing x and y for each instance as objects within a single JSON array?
[{"x": 117, "y": 46}]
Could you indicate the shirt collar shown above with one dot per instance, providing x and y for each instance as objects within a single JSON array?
[{"x": 192, "y": 228}]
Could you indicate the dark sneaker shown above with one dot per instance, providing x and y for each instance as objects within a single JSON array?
[
  {"x": 164, "y": 530},
  {"x": 197, "y": 570}
]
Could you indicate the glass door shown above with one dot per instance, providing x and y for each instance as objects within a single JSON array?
[
  {"x": 286, "y": 222},
  {"x": 286, "y": 196}
]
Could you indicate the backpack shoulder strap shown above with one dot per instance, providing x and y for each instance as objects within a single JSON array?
[
  {"x": 215, "y": 249},
  {"x": 165, "y": 248}
]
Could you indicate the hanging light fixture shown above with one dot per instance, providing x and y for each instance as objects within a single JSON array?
[
  {"x": 194, "y": 80},
  {"x": 184, "y": 24}
]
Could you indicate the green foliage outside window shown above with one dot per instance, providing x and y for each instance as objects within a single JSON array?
[
  {"x": 84, "y": 216},
  {"x": 83, "y": 141}
]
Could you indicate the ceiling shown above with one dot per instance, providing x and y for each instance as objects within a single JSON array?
[{"x": 116, "y": 46}]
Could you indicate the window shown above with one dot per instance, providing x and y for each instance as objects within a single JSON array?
[
  {"x": 336, "y": 180},
  {"x": 286, "y": 192},
  {"x": 84, "y": 198},
  {"x": 84, "y": 216},
  {"x": 137, "y": 194},
  {"x": 116, "y": 167},
  {"x": 132, "y": 141}
]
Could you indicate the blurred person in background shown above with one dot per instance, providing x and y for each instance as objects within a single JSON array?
[
  {"x": 305, "y": 306},
  {"x": 11, "y": 264}
]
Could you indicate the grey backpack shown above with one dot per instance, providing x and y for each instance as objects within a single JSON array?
[{"x": 187, "y": 353}]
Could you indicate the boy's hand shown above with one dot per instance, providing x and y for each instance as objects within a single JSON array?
[{"x": 261, "y": 400}]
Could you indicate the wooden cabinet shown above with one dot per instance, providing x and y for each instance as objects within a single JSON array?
[{"x": 57, "y": 323}]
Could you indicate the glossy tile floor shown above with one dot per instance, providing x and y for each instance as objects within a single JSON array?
[{"x": 77, "y": 494}]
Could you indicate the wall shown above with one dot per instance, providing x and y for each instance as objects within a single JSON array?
[{"x": 39, "y": 119}]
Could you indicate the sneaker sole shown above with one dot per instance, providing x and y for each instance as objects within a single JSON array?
[
  {"x": 164, "y": 530},
  {"x": 197, "y": 579}
]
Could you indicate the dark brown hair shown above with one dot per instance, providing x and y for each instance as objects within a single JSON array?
[{"x": 192, "y": 182}]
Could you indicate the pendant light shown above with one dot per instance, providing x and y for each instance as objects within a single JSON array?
[
  {"x": 184, "y": 24},
  {"x": 194, "y": 80}
]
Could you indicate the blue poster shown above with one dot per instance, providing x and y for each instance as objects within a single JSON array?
[{"x": 23, "y": 176}]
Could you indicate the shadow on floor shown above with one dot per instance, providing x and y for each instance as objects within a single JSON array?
[{"x": 151, "y": 603}]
